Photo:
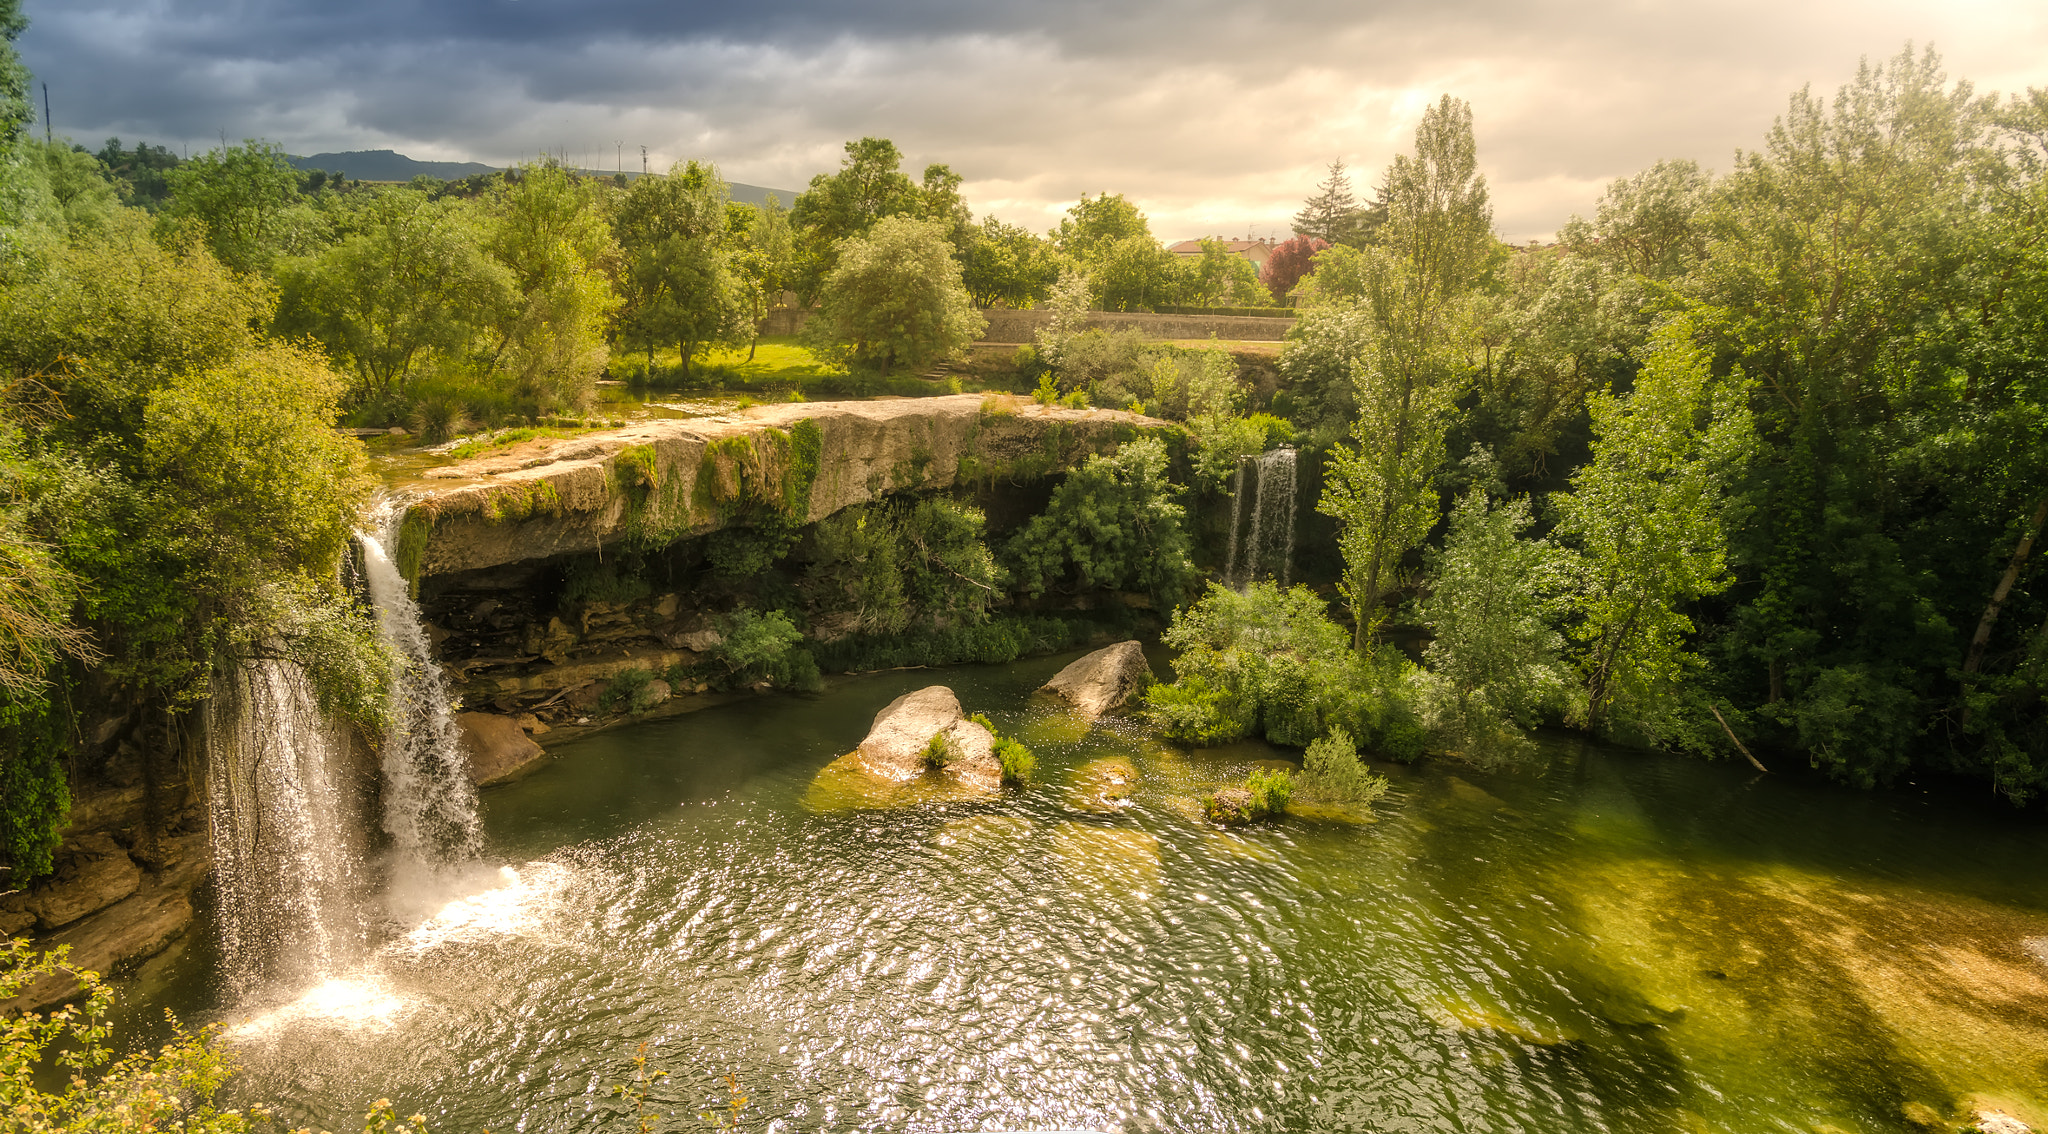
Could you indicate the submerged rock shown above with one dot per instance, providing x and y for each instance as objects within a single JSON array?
[
  {"x": 1104, "y": 785},
  {"x": 1231, "y": 807},
  {"x": 897, "y": 742},
  {"x": 496, "y": 748},
  {"x": 1103, "y": 680},
  {"x": 1998, "y": 1122}
]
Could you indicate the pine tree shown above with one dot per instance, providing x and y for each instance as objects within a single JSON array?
[{"x": 1333, "y": 213}]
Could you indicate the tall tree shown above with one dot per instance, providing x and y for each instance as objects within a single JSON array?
[
  {"x": 1332, "y": 214},
  {"x": 1005, "y": 264},
  {"x": 1648, "y": 520},
  {"x": 410, "y": 291},
  {"x": 549, "y": 232},
  {"x": 1434, "y": 250},
  {"x": 678, "y": 284},
  {"x": 868, "y": 186},
  {"x": 1290, "y": 262},
  {"x": 760, "y": 248}
]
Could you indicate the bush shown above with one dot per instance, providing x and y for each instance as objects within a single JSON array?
[
  {"x": 939, "y": 751},
  {"x": 1017, "y": 760},
  {"x": 1331, "y": 771},
  {"x": 1270, "y": 790},
  {"x": 629, "y": 692},
  {"x": 1003, "y": 638},
  {"x": 589, "y": 579},
  {"x": 1250, "y": 312},
  {"x": 1270, "y": 662},
  {"x": 766, "y": 646},
  {"x": 1111, "y": 524}
]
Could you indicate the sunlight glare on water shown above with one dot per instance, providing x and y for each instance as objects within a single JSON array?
[{"x": 1607, "y": 942}]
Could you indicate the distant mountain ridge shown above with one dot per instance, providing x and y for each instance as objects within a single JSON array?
[{"x": 390, "y": 165}]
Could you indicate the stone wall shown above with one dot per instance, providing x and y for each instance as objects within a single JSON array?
[{"x": 1010, "y": 326}]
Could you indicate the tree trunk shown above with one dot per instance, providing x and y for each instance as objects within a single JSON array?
[
  {"x": 685, "y": 346},
  {"x": 1982, "y": 638}
]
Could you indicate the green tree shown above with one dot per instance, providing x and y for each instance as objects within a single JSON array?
[
  {"x": 1093, "y": 224},
  {"x": 1135, "y": 274},
  {"x": 77, "y": 184},
  {"x": 1494, "y": 664},
  {"x": 1005, "y": 264},
  {"x": 242, "y": 198},
  {"x": 1434, "y": 249},
  {"x": 894, "y": 302},
  {"x": 410, "y": 291},
  {"x": 760, "y": 248},
  {"x": 868, "y": 186},
  {"x": 1222, "y": 278},
  {"x": 549, "y": 232},
  {"x": 1332, "y": 214},
  {"x": 679, "y": 286},
  {"x": 1649, "y": 519}
]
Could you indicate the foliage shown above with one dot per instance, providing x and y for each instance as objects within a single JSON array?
[
  {"x": 1271, "y": 789},
  {"x": 1649, "y": 517},
  {"x": 764, "y": 646},
  {"x": 1017, "y": 760},
  {"x": 679, "y": 286},
  {"x": 1493, "y": 658},
  {"x": 893, "y": 302},
  {"x": 1270, "y": 662},
  {"x": 1292, "y": 261},
  {"x": 1333, "y": 215},
  {"x": 1223, "y": 441},
  {"x": 590, "y": 579},
  {"x": 245, "y": 200},
  {"x": 629, "y": 691},
  {"x": 1219, "y": 277},
  {"x": 881, "y": 568},
  {"x": 1005, "y": 637},
  {"x": 837, "y": 207},
  {"x": 1094, "y": 224},
  {"x": 173, "y": 1087},
  {"x": 939, "y": 751},
  {"x": 1110, "y": 524},
  {"x": 1332, "y": 772},
  {"x": 1007, "y": 265},
  {"x": 1433, "y": 250},
  {"x": 760, "y": 249},
  {"x": 409, "y": 292},
  {"x": 549, "y": 232}
]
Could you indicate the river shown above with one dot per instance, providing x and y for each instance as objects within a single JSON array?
[{"x": 1608, "y": 941}]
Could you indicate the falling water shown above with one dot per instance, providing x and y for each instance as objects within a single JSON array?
[
  {"x": 1267, "y": 550},
  {"x": 282, "y": 810},
  {"x": 430, "y": 808}
]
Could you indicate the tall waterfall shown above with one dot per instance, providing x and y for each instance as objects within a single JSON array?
[
  {"x": 284, "y": 816},
  {"x": 1262, "y": 545},
  {"x": 430, "y": 808}
]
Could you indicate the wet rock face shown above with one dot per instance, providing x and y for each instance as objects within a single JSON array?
[
  {"x": 1231, "y": 807},
  {"x": 897, "y": 742},
  {"x": 93, "y": 873},
  {"x": 1103, "y": 680},
  {"x": 497, "y": 748}
]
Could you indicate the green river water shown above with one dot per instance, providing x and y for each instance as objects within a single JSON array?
[{"x": 1611, "y": 941}]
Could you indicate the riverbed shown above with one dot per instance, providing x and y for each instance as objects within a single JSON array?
[{"x": 1604, "y": 941}]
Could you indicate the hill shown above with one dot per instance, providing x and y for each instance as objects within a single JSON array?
[{"x": 390, "y": 165}]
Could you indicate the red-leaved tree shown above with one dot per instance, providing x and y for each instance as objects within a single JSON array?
[{"x": 1288, "y": 264}]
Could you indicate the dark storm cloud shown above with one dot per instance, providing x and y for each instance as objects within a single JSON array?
[{"x": 1217, "y": 116}]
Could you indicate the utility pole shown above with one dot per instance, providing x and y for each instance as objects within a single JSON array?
[
  {"x": 643, "y": 161},
  {"x": 46, "y": 114},
  {"x": 619, "y": 156}
]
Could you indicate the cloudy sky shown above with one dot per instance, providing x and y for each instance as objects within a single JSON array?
[{"x": 1216, "y": 117}]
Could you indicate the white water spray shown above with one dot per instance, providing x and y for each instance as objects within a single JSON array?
[
  {"x": 430, "y": 807},
  {"x": 283, "y": 817}
]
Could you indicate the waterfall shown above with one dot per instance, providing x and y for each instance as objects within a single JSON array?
[
  {"x": 282, "y": 814},
  {"x": 429, "y": 804},
  {"x": 1267, "y": 549}
]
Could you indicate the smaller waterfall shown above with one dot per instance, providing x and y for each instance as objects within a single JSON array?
[
  {"x": 282, "y": 812},
  {"x": 430, "y": 807},
  {"x": 1267, "y": 549}
]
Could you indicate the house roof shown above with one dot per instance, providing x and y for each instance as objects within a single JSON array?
[{"x": 1194, "y": 247}]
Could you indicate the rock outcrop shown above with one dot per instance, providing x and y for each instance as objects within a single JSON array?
[
  {"x": 496, "y": 747},
  {"x": 1103, "y": 680},
  {"x": 676, "y": 479},
  {"x": 896, "y": 744},
  {"x": 137, "y": 926}
]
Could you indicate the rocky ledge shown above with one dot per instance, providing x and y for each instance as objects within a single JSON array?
[{"x": 660, "y": 481}]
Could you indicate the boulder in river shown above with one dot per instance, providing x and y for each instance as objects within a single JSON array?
[
  {"x": 1103, "y": 680},
  {"x": 896, "y": 743},
  {"x": 496, "y": 748}
]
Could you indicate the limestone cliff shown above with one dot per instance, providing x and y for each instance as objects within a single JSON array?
[{"x": 656, "y": 482}]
